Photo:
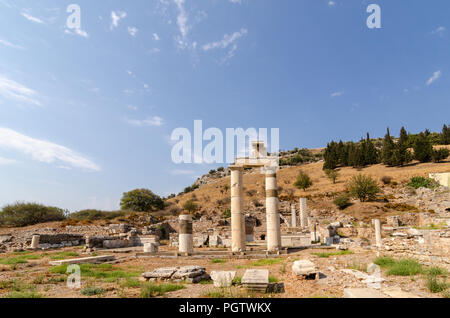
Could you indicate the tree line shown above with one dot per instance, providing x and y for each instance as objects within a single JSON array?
[{"x": 389, "y": 151}]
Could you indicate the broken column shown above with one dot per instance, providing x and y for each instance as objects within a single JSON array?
[
  {"x": 237, "y": 218},
  {"x": 272, "y": 215},
  {"x": 377, "y": 224},
  {"x": 293, "y": 216},
  {"x": 186, "y": 238},
  {"x": 303, "y": 213},
  {"x": 249, "y": 229},
  {"x": 35, "y": 241}
]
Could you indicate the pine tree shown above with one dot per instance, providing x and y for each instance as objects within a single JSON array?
[
  {"x": 331, "y": 156},
  {"x": 388, "y": 150},
  {"x": 423, "y": 150},
  {"x": 371, "y": 152},
  {"x": 401, "y": 153}
]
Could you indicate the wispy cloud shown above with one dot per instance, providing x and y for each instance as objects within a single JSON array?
[
  {"x": 336, "y": 94},
  {"x": 182, "y": 22},
  {"x": 13, "y": 90},
  {"x": 44, "y": 151},
  {"x": 9, "y": 44},
  {"x": 6, "y": 161},
  {"x": 151, "y": 121},
  {"x": 116, "y": 17},
  {"x": 156, "y": 37},
  {"x": 331, "y": 3},
  {"x": 133, "y": 31},
  {"x": 435, "y": 77},
  {"x": 236, "y": 1},
  {"x": 440, "y": 31},
  {"x": 226, "y": 41},
  {"x": 77, "y": 31},
  {"x": 29, "y": 17}
]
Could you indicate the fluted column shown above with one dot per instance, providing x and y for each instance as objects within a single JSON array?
[{"x": 237, "y": 217}]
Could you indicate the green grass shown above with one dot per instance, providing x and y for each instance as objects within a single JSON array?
[
  {"x": 64, "y": 255},
  {"x": 267, "y": 261},
  {"x": 206, "y": 282},
  {"x": 273, "y": 279},
  {"x": 131, "y": 283},
  {"x": 19, "y": 258},
  {"x": 405, "y": 267},
  {"x": 105, "y": 272},
  {"x": 25, "y": 294},
  {"x": 149, "y": 290},
  {"x": 435, "y": 285},
  {"x": 328, "y": 254},
  {"x": 92, "y": 291},
  {"x": 218, "y": 261},
  {"x": 437, "y": 271},
  {"x": 237, "y": 280},
  {"x": 384, "y": 262}
]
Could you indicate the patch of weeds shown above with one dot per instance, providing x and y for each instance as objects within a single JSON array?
[
  {"x": 64, "y": 255},
  {"x": 218, "y": 261},
  {"x": 404, "y": 267},
  {"x": 149, "y": 290},
  {"x": 435, "y": 285},
  {"x": 206, "y": 282},
  {"x": 23, "y": 294},
  {"x": 328, "y": 254},
  {"x": 436, "y": 271},
  {"x": 130, "y": 283},
  {"x": 384, "y": 261},
  {"x": 267, "y": 261},
  {"x": 243, "y": 266},
  {"x": 38, "y": 280},
  {"x": 237, "y": 280},
  {"x": 273, "y": 279},
  {"x": 358, "y": 266},
  {"x": 101, "y": 271},
  {"x": 92, "y": 291},
  {"x": 56, "y": 280}
]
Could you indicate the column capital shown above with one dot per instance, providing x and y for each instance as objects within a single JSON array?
[{"x": 234, "y": 167}]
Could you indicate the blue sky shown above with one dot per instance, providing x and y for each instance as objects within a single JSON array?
[{"x": 86, "y": 114}]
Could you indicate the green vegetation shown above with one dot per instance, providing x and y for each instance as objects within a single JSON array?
[
  {"x": 439, "y": 155},
  {"x": 237, "y": 280},
  {"x": 303, "y": 181},
  {"x": 92, "y": 291},
  {"x": 342, "y": 201},
  {"x": 19, "y": 258},
  {"x": 24, "y": 294},
  {"x": 218, "y": 261},
  {"x": 92, "y": 215},
  {"x": 363, "y": 187},
  {"x": 64, "y": 255},
  {"x": 226, "y": 214},
  {"x": 106, "y": 272},
  {"x": 23, "y": 214},
  {"x": 298, "y": 156},
  {"x": 273, "y": 279},
  {"x": 328, "y": 254},
  {"x": 422, "y": 182},
  {"x": 267, "y": 261},
  {"x": 403, "y": 267},
  {"x": 190, "y": 206},
  {"x": 149, "y": 290},
  {"x": 141, "y": 200},
  {"x": 332, "y": 175}
]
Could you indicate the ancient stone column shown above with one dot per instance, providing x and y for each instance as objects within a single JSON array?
[
  {"x": 293, "y": 216},
  {"x": 272, "y": 215},
  {"x": 35, "y": 241},
  {"x": 303, "y": 213},
  {"x": 237, "y": 217},
  {"x": 185, "y": 237},
  {"x": 377, "y": 224}
]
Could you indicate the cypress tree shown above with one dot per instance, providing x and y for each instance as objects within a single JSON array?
[
  {"x": 330, "y": 156},
  {"x": 388, "y": 149},
  {"x": 371, "y": 152},
  {"x": 445, "y": 136},
  {"x": 401, "y": 153}
]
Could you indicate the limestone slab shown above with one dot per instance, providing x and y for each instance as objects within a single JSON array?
[
  {"x": 85, "y": 260},
  {"x": 362, "y": 293},
  {"x": 223, "y": 278}
]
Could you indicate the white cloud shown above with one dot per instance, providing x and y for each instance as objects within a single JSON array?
[
  {"x": 435, "y": 77},
  {"x": 44, "y": 151},
  {"x": 13, "y": 90},
  {"x": 133, "y": 31},
  {"x": 152, "y": 121},
  {"x": 77, "y": 31},
  {"x": 226, "y": 41},
  {"x": 6, "y": 161},
  {"x": 440, "y": 31},
  {"x": 156, "y": 37},
  {"x": 116, "y": 17},
  {"x": 31, "y": 18},
  {"x": 182, "y": 20},
  {"x": 337, "y": 94},
  {"x": 331, "y": 3},
  {"x": 132, "y": 107},
  {"x": 9, "y": 44}
]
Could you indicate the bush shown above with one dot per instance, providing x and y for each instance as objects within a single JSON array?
[
  {"x": 332, "y": 174},
  {"x": 190, "y": 206},
  {"x": 92, "y": 215},
  {"x": 141, "y": 200},
  {"x": 435, "y": 285},
  {"x": 150, "y": 290},
  {"x": 363, "y": 187},
  {"x": 92, "y": 291},
  {"x": 226, "y": 214},
  {"x": 386, "y": 180},
  {"x": 303, "y": 181},
  {"x": 439, "y": 155},
  {"x": 422, "y": 182},
  {"x": 23, "y": 214},
  {"x": 342, "y": 201}
]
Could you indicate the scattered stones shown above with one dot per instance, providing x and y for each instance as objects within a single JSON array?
[
  {"x": 362, "y": 293},
  {"x": 223, "y": 278},
  {"x": 192, "y": 274}
]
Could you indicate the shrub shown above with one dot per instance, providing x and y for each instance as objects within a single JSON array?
[
  {"x": 190, "y": 206},
  {"x": 342, "y": 201},
  {"x": 386, "y": 180},
  {"x": 363, "y": 187},
  {"x": 422, "y": 182},
  {"x": 405, "y": 267},
  {"x": 23, "y": 214},
  {"x": 435, "y": 285},
  {"x": 384, "y": 261},
  {"x": 150, "y": 290},
  {"x": 439, "y": 155},
  {"x": 332, "y": 174},
  {"x": 92, "y": 291},
  {"x": 92, "y": 215},
  {"x": 226, "y": 214},
  {"x": 303, "y": 181},
  {"x": 141, "y": 200}
]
